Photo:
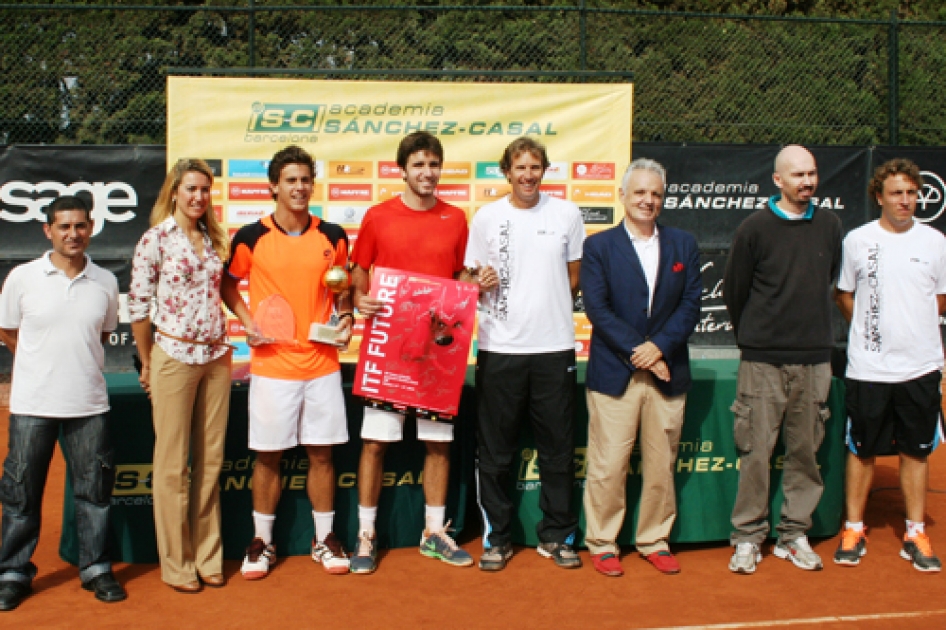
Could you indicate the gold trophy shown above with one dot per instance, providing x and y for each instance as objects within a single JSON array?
[{"x": 336, "y": 280}]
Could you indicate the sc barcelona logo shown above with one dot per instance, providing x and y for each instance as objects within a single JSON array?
[
  {"x": 280, "y": 118},
  {"x": 931, "y": 200},
  {"x": 284, "y": 123}
]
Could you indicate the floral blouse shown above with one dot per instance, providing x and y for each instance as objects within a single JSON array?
[{"x": 180, "y": 291}]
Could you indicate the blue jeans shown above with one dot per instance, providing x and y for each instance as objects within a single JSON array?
[{"x": 89, "y": 455}]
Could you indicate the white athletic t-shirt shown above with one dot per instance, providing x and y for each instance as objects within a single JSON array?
[
  {"x": 531, "y": 309},
  {"x": 895, "y": 278},
  {"x": 57, "y": 368}
]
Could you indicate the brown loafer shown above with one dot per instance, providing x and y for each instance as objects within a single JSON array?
[
  {"x": 214, "y": 581},
  {"x": 188, "y": 587}
]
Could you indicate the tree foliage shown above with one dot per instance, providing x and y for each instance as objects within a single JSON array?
[{"x": 73, "y": 75}]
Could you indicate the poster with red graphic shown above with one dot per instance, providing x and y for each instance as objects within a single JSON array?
[{"x": 414, "y": 351}]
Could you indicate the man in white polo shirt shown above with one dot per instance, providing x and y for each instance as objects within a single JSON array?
[
  {"x": 892, "y": 290},
  {"x": 54, "y": 314},
  {"x": 525, "y": 249}
]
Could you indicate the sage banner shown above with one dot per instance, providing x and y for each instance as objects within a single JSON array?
[{"x": 120, "y": 184}]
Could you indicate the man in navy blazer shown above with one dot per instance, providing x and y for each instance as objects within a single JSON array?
[{"x": 641, "y": 286}]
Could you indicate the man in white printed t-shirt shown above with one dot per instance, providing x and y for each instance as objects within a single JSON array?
[
  {"x": 54, "y": 314},
  {"x": 892, "y": 289},
  {"x": 526, "y": 251}
]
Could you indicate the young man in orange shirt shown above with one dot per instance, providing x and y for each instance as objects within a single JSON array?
[{"x": 295, "y": 388}]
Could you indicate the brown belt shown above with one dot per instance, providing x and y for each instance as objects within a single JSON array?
[{"x": 219, "y": 341}]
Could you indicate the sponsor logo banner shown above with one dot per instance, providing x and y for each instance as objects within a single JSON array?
[
  {"x": 590, "y": 192},
  {"x": 582, "y": 326},
  {"x": 388, "y": 191},
  {"x": 489, "y": 170},
  {"x": 235, "y": 328},
  {"x": 355, "y": 133},
  {"x": 492, "y": 192},
  {"x": 593, "y": 170},
  {"x": 242, "y": 214},
  {"x": 557, "y": 171},
  {"x": 216, "y": 166},
  {"x": 250, "y": 191},
  {"x": 248, "y": 168},
  {"x": 346, "y": 214},
  {"x": 452, "y": 193},
  {"x": 388, "y": 169},
  {"x": 559, "y": 191},
  {"x": 349, "y": 169},
  {"x": 456, "y": 170},
  {"x": 603, "y": 215},
  {"x": 350, "y": 192}
]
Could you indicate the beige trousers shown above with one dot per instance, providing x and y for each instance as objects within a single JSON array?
[
  {"x": 190, "y": 405},
  {"x": 612, "y": 430}
]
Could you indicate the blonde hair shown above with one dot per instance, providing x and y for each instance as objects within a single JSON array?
[{"x": 164, "y": 206}]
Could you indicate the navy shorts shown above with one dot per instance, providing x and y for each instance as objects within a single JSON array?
[{"x": 888, "y": 418}]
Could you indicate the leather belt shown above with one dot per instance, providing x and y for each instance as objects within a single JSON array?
[{"x": 219, "y": 341}]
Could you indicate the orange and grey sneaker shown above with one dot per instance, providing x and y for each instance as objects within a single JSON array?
[
  {"x": 853, "y": 547},
  {"x": 919, "y": 550}
]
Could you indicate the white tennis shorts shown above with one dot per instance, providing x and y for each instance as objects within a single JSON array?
[
  {"x": 284, "y": 414},
  {"x": 387, "y": 426}
]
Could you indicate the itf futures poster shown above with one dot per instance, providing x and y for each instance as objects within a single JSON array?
[
  {"x": 352, "y": 129},
  {"x": 414, "y": 351}
]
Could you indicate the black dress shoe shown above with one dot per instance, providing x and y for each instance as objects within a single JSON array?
[
  {"x": 106, "y": 588},
  {"x": 12, "y": 594}
]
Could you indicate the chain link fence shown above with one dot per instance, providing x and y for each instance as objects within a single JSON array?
[{"x": 96, "y": 74}]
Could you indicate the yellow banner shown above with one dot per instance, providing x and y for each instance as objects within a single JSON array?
[{"x": 352, "y": 129}]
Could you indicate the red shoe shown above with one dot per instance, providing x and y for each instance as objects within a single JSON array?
[
  {"x": 664, "y": 561},
  {"x": 607, "y": 563}
]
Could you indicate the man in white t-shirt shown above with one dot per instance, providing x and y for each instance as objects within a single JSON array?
[
  {"x": 54, "y": 315},
  {"x": 526, "y": 251},
  {"x": 892, "y": 289}
]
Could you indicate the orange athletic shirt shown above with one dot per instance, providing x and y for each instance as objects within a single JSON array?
[
  {"x": 291, "y": 266},
  {"x": 432, "y": 241}
]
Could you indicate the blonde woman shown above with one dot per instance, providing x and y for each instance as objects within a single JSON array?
[{"x": 180, "y": 330}]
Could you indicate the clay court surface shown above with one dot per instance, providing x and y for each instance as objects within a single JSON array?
[{"x": 410, "y": 591}]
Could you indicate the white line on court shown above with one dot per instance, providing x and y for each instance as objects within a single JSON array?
[{"x": 812, "y": 620}]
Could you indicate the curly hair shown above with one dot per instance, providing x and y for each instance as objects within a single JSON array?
[{"x": 896, "y": 166}]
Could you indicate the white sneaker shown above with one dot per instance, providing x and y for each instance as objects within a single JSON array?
[
  {"x": 799, "y": 552},
  {"x": 258, "y": 560},
  {"x": 745, "y": 558},
  {"x": 331, "y": 555}
]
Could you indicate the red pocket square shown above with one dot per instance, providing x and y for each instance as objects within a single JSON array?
[{"x": 677, "y": 267}]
